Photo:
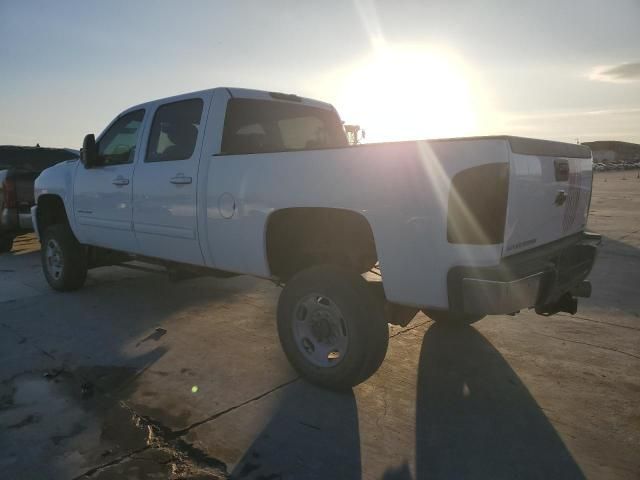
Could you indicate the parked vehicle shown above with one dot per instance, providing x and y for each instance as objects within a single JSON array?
[
  {"x": 19, "y": 167},
  {"x": 232, "y": 181}
]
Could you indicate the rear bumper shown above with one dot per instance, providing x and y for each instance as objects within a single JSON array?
[
  {"x": 34, "y": 223},
  {"x": 24, "y": 221},
  {"x": 13, "y": 221},
  {"x": 8, "y": 219},
  {"x": 536, "y": 278}
]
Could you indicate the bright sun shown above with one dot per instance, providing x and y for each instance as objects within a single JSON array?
[{"x": 404, "y": 93}]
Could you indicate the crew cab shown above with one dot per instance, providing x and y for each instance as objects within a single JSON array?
[
  {"x": 19, "y": 167},
  {"x": 232, "y": 181}
]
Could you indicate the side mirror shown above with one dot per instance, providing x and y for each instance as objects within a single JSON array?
[{"x": 89, "y": 153}]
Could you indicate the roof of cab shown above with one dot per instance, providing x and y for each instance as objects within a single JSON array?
[{"x": 240, "y": 93}]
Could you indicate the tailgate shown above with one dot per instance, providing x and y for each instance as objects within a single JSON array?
[{"x": 549, "y": 193}]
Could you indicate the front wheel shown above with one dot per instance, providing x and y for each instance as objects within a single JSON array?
[
  {"x": 450, "y": 318},
  {"x": 331, "y": 327},
  {"x": 64, "y": 262}
]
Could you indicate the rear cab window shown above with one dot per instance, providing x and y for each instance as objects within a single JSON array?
[
  {"x": 265, "y": 126},
  {"x": 33, "y": 159}
]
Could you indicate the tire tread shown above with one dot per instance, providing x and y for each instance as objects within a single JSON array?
[
  {"x": 75, "y": 271},
  {"x": 369, "y": 321}
]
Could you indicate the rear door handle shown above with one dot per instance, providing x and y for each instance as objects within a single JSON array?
[
  {"x": 180, "y": 180},
  {"x": 120, "y": 181}
]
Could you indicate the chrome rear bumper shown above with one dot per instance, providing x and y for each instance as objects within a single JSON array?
[
  {"x": 11, "y": 220},
  {"x": 534, "y": 279},
  {"x": 493, "y": 297},
  {"x": 34, "y": 223}
]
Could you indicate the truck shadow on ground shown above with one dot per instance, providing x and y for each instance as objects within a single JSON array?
[
  {"x": 474, "y": 419},
  {"x": 314, "y": 433}
]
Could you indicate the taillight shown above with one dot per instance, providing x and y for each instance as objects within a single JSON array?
[
  {"x": 9, "y": 188},
  {"x": 477, "y": 208}
]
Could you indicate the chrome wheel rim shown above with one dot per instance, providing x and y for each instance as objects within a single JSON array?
[
  {"x": 55, "y": 262},
  {"x": 320, "y": 331}
]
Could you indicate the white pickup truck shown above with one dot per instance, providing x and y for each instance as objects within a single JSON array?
[{"x": 232, "y": 181}]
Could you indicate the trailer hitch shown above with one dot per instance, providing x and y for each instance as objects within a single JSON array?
[{"x": 566, "y": 303}]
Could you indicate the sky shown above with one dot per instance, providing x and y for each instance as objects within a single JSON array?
[{"x": 563, "y": 70}]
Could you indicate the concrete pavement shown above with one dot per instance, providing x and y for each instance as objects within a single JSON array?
[{"x": 137, "y": 377}]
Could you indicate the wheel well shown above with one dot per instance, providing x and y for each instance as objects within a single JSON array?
[
  {"x": 298, "y": 238},
  {"x": 50, "y": 212}
]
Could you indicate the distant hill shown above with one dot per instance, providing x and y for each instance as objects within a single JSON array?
[{"x": 613, "y": 151}]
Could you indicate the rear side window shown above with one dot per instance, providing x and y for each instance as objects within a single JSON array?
[
  {"x": 118, "y": 145},
  {"x": 262, "y": 126},
  {"x": 174, "y": 131}
]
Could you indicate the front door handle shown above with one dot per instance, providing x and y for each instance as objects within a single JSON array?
[
  {"x": 120, "y": 181},
  {"x": 180, "y": 179}
]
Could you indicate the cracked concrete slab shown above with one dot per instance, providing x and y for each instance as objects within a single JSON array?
[{"x": 58, "y": 431}]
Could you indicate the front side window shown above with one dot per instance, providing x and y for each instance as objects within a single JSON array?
[
  {"x": 174, "y": 131},
  {"x": 118, "y": 145},
  {"x": 262, "y": 126}
]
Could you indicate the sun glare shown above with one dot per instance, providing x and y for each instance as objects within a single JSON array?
[{"x": 406, "y": 93}]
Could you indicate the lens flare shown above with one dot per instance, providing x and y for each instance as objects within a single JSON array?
[{"x": 409, "y": 93}]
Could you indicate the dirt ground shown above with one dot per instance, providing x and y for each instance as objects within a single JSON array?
[{"x": 137, "y": 377}]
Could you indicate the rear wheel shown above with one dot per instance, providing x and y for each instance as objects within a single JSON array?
[
  {"x": 64, "y": 261},
  {"x": 331, "y": 327},
  {"x": 449, "y": 318}
]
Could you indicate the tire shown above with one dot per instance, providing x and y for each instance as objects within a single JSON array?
[
  {"x": 64, "y": 261},
  {"x": 6, "y": 244},
  {"x": 448, "y": 318},
  {"x": 331, "y": 327}
]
